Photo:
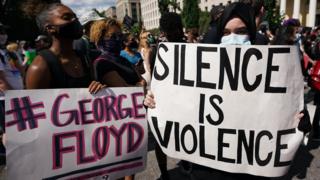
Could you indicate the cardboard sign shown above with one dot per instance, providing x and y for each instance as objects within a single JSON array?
[
  {"x": 71, "y": 134},
  {"x": 231, "y": 108}
]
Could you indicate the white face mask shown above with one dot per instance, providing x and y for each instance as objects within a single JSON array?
[
  {"x": 3, "y": 39},
  {"x": 235, "y": 39}
]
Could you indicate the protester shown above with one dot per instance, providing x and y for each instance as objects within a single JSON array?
[
  {"x": 211, "y": 36},
  {"x": 130, "y": 47},
  {"x": 84, "y": 44},
  {"x": 147, "y": 49},
  {"x": 13, "y": 48},
  {"x": 29, "y": 54},
  {"x": 192, "y": 35},
  {"x": 60, "y": 66},
  {"x": 172, "y": 29},
  {"x": 236, "y": 26},
  {"x": 110, "y": 68},
  {"x": 42, "y": 42},
  {"x": 10, "y": 78}
]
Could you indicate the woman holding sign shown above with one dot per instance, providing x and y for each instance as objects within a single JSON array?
[
  {"x": 236, "y": 27},
  {"x": 110, "y": 68}
]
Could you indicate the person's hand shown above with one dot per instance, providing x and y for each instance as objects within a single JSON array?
[
  {"x": 149, "y": 100},
  {"x": 95, "y": 86},
  {"x": 304, "y": 121},
  {"x": 142, "y": 83}
]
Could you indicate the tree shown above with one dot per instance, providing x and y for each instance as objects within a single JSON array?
[
  {"x": 273, "y": 16},
  {"x": 204, "y": 22},
  {"x": 190, "y": 14},
  {"x": 165, "y": 4}
]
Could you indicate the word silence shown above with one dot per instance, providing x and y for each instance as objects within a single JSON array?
[{"x": 231, "y": 108}]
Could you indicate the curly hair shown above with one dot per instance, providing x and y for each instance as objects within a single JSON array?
[
  {"x": 99, "y": 28},
  {"x": 41, "y": 11}
]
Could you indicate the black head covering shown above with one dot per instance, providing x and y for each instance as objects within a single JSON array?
[{"x": 243, "y": 11}]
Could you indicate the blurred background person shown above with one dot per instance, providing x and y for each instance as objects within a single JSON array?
[
  {"x": 84, "y": 44},
  {"x": 147, "y": 49},
  {"x": 42, "y": 42},
  {"x": 211, "y": 36}
]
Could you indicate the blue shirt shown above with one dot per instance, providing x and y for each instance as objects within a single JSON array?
[{"x": 132, "y": 59}]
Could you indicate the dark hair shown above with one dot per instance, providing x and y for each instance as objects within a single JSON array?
[
  {"x": 284, "y": 36},
  {"x": 242, "y": 11},
  {"x": 41, "y": 11},
  {"x": 171, "y": 25},
  {"x": 292, "y": 22},
  {"x": 170, "y": 22},
  {"x": 216, "y": 12},
  {"x": 255, "y": 4}
]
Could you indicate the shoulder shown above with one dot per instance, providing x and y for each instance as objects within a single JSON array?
[
  {"x": 38, "y": 74},
  {"x": 39, "y": 65}
]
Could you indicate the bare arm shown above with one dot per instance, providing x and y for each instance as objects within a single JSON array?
[
  {"x": 113, "y": 79},
  {"x": 38, "y": 75}
]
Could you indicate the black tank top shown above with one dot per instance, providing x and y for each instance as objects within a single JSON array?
[{"x": 59, "y": 78}]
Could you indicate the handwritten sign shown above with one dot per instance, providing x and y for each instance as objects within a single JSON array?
[{"x": 71, "y": 134}]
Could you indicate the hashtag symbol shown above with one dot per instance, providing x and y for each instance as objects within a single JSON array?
[{"x": 22, "y": 110}]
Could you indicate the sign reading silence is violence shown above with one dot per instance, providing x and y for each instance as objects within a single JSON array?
[
  {"x": 71, "y": 134},
  {"x": 230, "y": 108}
]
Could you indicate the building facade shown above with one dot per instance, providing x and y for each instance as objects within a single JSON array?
[
  {"x": 307, "y": 11},
  {"x": 128, "y": 7},
  {"x": 150, "y": 14},
  {"x": 111, "y": 12}
]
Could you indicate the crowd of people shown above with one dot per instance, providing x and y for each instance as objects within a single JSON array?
[{"x": 95, "y": 53}]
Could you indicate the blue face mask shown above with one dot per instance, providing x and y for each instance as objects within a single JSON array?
[{"x": 235, "y": 39}]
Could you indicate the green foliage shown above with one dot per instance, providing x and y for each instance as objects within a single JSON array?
[
  {"x": 273, "y": 15},
  {"x": 135, "y": 29},
  {"x": 190, "y": 13},
  {"x": 155, "y": 32},
  {"x": 164, "y": 5},
  {"x": 204, "y": 22}
]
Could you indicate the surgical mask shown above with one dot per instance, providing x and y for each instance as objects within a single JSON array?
[
  {"x": 235, "y": 39},
  {"x": 72, "y": 30},
  {"x": 3, "y": 39}
]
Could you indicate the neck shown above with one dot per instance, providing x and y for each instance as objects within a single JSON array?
[
  {"x": 129, "y": 50},
  {"x": 61, "y": 46}
]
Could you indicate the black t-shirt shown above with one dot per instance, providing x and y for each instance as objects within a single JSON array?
[
  {"x": 107, "y": 63},
  {"x": 261, "y": 39}
]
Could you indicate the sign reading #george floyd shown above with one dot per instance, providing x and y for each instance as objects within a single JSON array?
[
  {"x": 72, "y": 134},
  {"x": 230, "y": 108}
]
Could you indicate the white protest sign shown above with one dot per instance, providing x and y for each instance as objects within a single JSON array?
[
  {"x": 230, "y": 108},
  {"x": 72, "y": 134}
]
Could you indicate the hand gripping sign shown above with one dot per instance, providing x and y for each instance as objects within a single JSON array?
[
  {"x": 230, "y": 108},
  {"x": 71, "y": 134}
]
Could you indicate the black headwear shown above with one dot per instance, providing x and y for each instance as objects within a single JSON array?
[{"x": 244, "y": 12}]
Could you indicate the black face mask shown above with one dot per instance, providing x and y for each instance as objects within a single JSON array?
[
  {"x": 72, "y": 30},
  {"x": 133, "y": 45}
]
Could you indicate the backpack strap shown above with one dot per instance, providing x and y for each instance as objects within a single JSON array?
[{"x": 58, "y": 77}]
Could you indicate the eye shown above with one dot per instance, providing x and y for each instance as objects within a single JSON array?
[
  {"x": 68, "y": 16},
  {"x": 226, "y": 32},
  {"x": 241, "y": 31}
]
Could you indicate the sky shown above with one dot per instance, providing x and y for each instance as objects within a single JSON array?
[{"x": 81, "y": 6}]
